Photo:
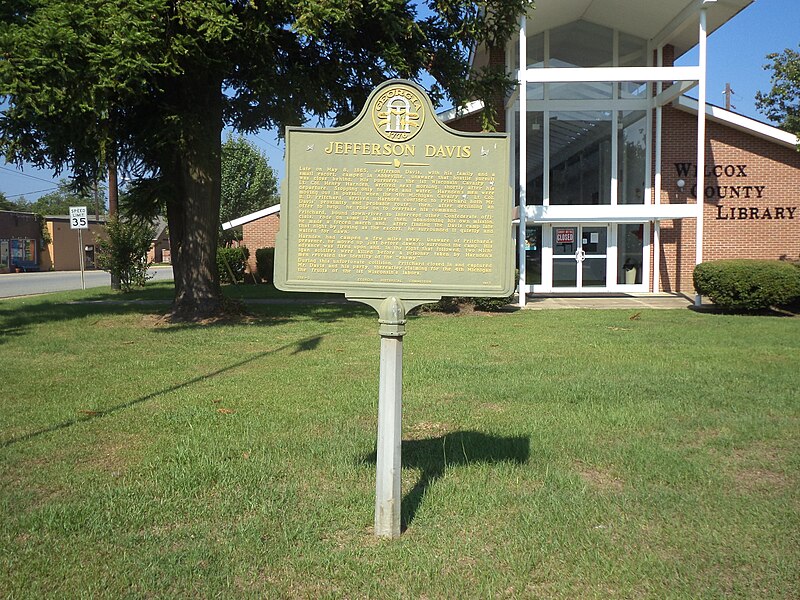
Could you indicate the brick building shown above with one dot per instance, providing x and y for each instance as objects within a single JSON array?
[
  {"x": 66, "y": 244},
  {"x": 605, "y": 173},
  {"x": 20, "y": 239}
]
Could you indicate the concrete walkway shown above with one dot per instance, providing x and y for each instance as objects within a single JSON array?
[
  {"x": 626, "y": 301},
  {"x": 537, "y": 302}
]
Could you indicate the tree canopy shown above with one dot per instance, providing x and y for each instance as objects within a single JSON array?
[
  {"x": 248, "y": 182},
  {"x": 781, "y": 104},
  {"x": 149, "y": 85},
  {"x": 6, "y": 204}
]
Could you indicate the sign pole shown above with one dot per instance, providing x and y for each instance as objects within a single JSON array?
[
  {"x": 80, "y": 256},
  {"x": 390, "y": 416}
]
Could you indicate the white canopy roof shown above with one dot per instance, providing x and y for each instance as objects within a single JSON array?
[{"x": 664, "y": 21}]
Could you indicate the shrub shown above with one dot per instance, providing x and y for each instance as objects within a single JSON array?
[
  {"x": 123, "y": 251},
  {"x": 447, "y": 304},
  {"x": 748, "y": 285},
  {"x": 265, "y": 263},
  {"x": 492, "y": 304},
  {"x": 236, "y": 259}
]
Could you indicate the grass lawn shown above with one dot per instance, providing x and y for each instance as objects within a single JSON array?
[{"x": 560, "y": 454}]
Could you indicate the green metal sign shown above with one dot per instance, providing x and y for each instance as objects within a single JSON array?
[{"x": 396, "y": 204}]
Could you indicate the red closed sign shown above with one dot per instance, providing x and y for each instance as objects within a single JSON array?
[{"x": 565, "y": 236}]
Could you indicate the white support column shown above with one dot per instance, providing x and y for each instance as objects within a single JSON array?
[
  {"x": 701, "y": 142},
  {"x": 657, "y": 200},
  {"x": 522, "y": 134}
]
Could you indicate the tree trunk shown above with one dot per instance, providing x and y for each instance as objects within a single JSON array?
[
  {"x": 193, "y": 210},
  {"x": 113, "y": 203}
]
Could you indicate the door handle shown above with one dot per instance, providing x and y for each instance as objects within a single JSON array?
[{"x": 580, "y": 255}]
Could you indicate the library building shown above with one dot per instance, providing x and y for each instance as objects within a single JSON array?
[{"x": 610, "y": 155}]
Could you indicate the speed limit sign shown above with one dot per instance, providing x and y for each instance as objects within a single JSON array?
[{"x": 78, "y": 218}]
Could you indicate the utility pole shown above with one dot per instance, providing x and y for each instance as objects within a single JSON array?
[
  {"x": 728, "y": 93},
  {"x": 96, "y": 202}
]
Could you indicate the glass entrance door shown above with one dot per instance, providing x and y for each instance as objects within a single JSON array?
[{"x": 580, "y": 256}]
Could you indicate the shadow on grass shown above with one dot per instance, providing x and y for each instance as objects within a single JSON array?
[
  {"x": 17, "y": 318},
  {"x": 303, "y": 345},
  {"x": 435, "y": 456}
]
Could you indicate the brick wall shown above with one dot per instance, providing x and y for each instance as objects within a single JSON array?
[
  {"x": 260, "y": 233},
  {"x": 752, "y": 197}
]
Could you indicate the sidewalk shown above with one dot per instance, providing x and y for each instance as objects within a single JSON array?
[{"x": 626, "y": 301}]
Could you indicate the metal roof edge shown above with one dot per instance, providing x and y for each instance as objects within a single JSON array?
[
  {"x": 740, "y": 122},
  {"x": 264, "y": 212}
]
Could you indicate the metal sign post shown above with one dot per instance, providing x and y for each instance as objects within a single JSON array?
[
  {"x": 395, "y": 210},
  {"x": 78, "y": 219}
]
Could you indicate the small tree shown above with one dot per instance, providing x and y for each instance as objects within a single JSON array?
[
  {"x": 782, "y": 104},
  {"x": 123, "y": 251}
]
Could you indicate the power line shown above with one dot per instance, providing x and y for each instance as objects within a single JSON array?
[
  {"x": 34, "y": 192},
  {"x": 15, "y": 172},
  {"x": 266, "y": 142}
]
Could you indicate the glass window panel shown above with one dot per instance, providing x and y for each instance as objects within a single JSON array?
[
  {"x": 630, "y": 248},
  {"x": 535, "y": 51},
  {"x": 535, "y": 158},
  {"x": 580, "y": 157},
  {"x": 593, "y": 272},
  {"x": 565, "y": 241},
  {"x": 593, "y": 90},
  {"x": 631, "y": 158},
  {"x": 632, "y": 53},
  {"x": 581, "y": 44},
  {"x": 533, "y": 254},
  {"x": 594, "y": 240},
  {"x": 565, "y": 273}
]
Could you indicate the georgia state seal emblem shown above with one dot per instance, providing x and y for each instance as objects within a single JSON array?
[{"x": 398, "y": 113}]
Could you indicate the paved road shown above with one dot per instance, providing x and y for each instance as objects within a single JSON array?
[{"x": 23, "y": 284}]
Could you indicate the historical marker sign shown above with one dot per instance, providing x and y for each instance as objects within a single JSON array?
[
  {"x": 394, "y": 210},
  {"x": 396, "y": 204}
]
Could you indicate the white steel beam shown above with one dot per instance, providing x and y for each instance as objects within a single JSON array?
[
  {"x": 595, "y": 74},
  {"x": 523, "y": 167},
  {"x": 701, "y": 147},
  {"x": 673, "y": 91}
]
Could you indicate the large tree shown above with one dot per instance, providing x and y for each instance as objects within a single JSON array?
[
  {"x": 149, "y": 84},
  {"x": 248, "y": 182},
  {"x": 781, "y": 104}
]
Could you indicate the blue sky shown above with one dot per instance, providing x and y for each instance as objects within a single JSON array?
[{"x": 736, "y": 54}]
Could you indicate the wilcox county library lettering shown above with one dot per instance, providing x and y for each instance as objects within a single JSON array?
[{"x": 734, "y": 190}]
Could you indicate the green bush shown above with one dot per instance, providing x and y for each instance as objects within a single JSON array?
[
  {"x": 265, "y": 263},
  {"x": 748, "y": 285},
  {"x": 122, "y": 251},
  {"x": 492, "y": 304},
  {"x": 447, "y": 304},
  {"x": 236, "y": 259}
]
